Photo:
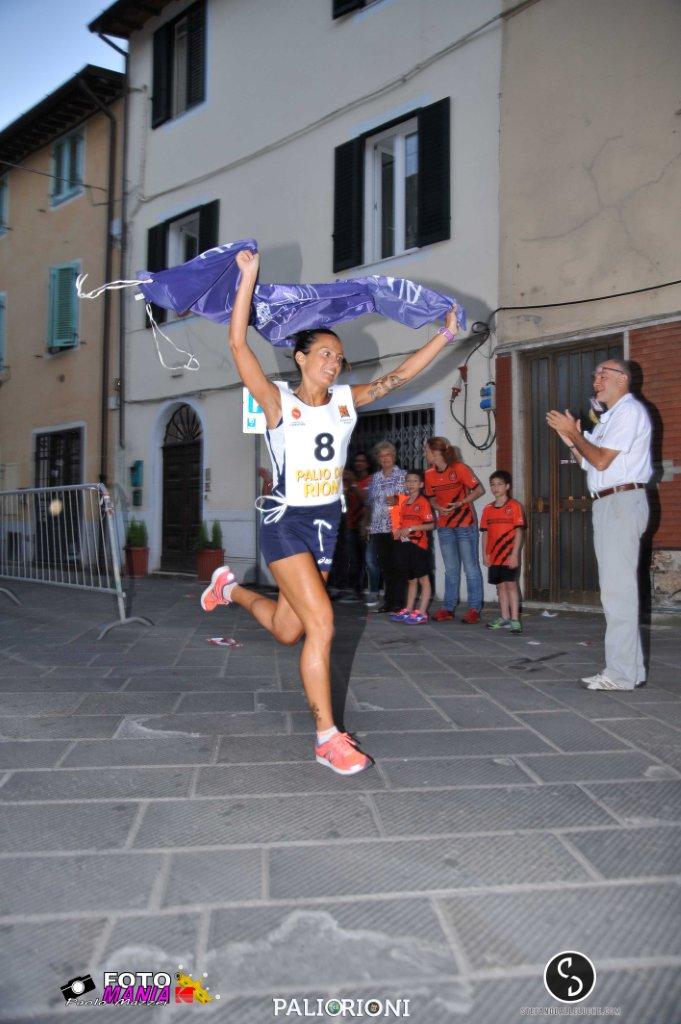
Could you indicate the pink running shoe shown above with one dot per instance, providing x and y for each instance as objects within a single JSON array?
[
  {"x": 417, "y": 618},
  {"x": 212, "y": 595},
  {"x": 341, "y": 755},
  {"x": 400, "y": 616}
]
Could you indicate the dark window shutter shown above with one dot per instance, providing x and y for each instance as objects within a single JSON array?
[
  {"x": 157, "y": 240},
  {"x": 348, "y": 206},
  {"x": 341, "y": 7},
  {"x": 433, "y": 177},
  {"x": 160, "y": 103},
  {"x": 209, "y": 225},
  {"x": 196, "y": 54}
]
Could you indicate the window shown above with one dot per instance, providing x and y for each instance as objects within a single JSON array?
[
  {"x": 4, "y": 196},
  {"x": 67, "y": 168},
  {"x": 392, "y": 188},
  {"x": 58, "y": 459},
  {"x": 180, "y": 239},
  {"x": 3, "y": 350},
  {"x": 179, "y": 65},
  {"x": 407, "y": 429},
  {"x": 391, "y": 199},
  {"x": 183, "y": 239},
  {"x": 62, "y": 326}
]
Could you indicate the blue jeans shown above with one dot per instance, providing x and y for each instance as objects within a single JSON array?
[
  {"x": 461, "y": 545},
  {"x": 372, "y": 566}
]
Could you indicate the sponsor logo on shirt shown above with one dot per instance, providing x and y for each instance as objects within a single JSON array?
[
  {"x": 296, "y": 413},
  {"x": 343, "y": 412}
]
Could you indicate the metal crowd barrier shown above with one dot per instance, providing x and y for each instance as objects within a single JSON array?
[{"x": 63, "y": 536}]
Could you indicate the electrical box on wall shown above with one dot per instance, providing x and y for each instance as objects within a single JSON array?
[
  {"x": 488, "y": 397},
  {"x": 136, "y": 481}
]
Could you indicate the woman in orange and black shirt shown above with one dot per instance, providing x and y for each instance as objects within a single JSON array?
[{"x": 452, "y": 488}]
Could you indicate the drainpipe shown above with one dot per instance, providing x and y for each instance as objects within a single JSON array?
[
  {"x": 104, "y": 428},
  {"x": 124, "y": 244}
]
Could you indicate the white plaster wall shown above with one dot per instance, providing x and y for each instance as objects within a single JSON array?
[{"x": 274, "y": 69}]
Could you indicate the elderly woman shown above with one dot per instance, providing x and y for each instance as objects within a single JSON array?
[{"x": 386, "y": 485}]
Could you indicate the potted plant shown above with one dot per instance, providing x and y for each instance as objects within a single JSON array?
[
  {"x": 137, "y": 548},
  {"x": 210, "y": 553}
]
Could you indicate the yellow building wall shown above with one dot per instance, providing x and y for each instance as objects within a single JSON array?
[{"x": 42, "y": 391}]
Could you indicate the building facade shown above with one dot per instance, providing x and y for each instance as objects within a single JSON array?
[
  {"x": 58, "y": 357},
  {"x": 590, "y": 180},
  {"x": 348, "y": 138}
]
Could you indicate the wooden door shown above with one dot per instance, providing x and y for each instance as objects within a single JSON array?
[
  {"x": 560, "y": 564},
  {"x": 182, "y": 481}
]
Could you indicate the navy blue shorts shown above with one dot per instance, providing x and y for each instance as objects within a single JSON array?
[{"x": 313, "y": 529}]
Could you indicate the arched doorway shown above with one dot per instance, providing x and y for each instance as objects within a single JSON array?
[{"x": 182, "y": 462}]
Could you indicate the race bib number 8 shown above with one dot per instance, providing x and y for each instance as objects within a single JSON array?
[{"x": 324, "y": 450}]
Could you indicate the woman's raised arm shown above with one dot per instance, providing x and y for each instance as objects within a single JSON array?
[
  {"x": 251, "y": 372},
  {"x": 364, "y": 394}
]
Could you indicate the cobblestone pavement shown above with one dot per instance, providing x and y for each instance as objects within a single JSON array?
[{"x": 161, "y": 806}]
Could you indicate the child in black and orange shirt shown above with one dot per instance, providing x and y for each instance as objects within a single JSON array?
[
  {"x": 503, "y": 521},
  {"x": 412, "y": 518}
]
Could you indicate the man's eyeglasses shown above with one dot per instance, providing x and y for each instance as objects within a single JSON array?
[{"x": 606, "y": 369}]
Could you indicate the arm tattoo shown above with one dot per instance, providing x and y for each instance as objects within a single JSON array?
[{"x": 383, "y": 385}]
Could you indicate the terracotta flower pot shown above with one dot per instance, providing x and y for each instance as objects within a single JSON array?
[
  {"x": 208, "y": 560},
  {"x": 137, "y": 561}
]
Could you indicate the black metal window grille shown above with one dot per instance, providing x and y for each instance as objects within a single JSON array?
[
  {"x": 184, "y": 426},
  {"x": 407, "y": 429}
]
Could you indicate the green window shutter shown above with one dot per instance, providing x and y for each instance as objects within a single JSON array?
[
  {"x": 63, "y": 325},
  {"x": 57, "y": 185},
  {"x": 2, "y": 332},
  {"x": 3, "y": 203}
]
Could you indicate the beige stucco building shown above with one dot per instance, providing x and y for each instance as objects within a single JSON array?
[
  {"x": 590, "y": 206},
  {"x": 59, "y": 357}
]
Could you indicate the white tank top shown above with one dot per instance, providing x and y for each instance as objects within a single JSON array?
[{"x": 309, "y": 446}]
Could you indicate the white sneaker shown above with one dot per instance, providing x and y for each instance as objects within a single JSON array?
[
  {"x": 591, "y": 679},
  {"x": 601, "y": 682},
  {"x": 371, "y": 600}
]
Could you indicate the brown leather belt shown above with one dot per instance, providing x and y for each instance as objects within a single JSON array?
[{"x": 615, "y": 490}]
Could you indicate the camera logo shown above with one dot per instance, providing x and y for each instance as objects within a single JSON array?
[
  {"x": 77, "y": 987},
  {"x": 569, "y": 977}
]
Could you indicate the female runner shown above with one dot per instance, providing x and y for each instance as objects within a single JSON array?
[{"x": 308, "y": 430}]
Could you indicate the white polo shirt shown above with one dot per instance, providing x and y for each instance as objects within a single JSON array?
[{"x": 624, "y": 428}]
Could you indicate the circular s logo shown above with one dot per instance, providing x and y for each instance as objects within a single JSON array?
[{"x": 569, "y": 977}]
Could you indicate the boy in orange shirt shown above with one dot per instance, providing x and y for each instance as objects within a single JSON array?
[
  {"x": 503, "y": 521},
  {"x": 412, "y": 518}
]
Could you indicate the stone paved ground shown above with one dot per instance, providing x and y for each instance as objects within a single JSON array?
[{"x": 160, "y": 806}]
